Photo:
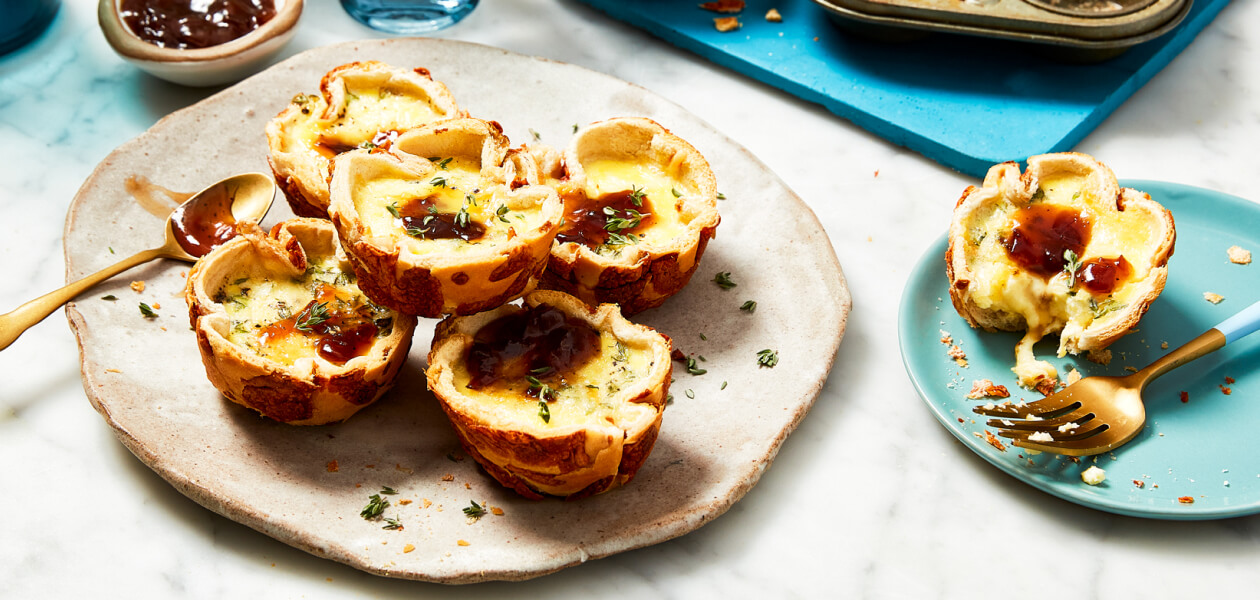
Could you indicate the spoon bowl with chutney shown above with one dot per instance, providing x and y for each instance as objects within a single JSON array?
[
  {"x": 198, "y": 44},
  {"x": 202, "y": 223}
]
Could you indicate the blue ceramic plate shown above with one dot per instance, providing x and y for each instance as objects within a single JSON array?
[{"x": 1207, "y": 448}]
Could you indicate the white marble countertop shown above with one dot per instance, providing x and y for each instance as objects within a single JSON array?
[{"x": 870, "y": 496}]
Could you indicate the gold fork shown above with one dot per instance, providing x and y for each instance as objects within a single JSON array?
[{"x": 1097, "y": 414}]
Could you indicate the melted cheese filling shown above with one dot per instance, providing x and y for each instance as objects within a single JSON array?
[
  {"x": 661, "y": 188},
  {"x": 256, "y": 300},
  {"x": 456, "y": 185},
  {"x": 585, "y": 396},
  {"x": 1048, "y": 306},
  {"x": 369, "y": 109}
]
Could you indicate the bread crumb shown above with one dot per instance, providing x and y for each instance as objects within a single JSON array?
[
  {"x": 1046, "y": 386},
  {"x": 958, "y": 355},
  {"x": 1093, "y": 475},
  {"x": 496, "y": 511},
  {"x": 1225, "y": 390},
  {"x": 1067, "y": 427},
  {"x": 448, "y": 477},
  {"x": 137, "y": 286},
  {"x": 157, "y": 306},
  {"x": 112, "y": 371},
  {"x": 725, "y": 24},
  {"x": 404, "y": 502},
  {"x": 1229, "y": 379},
  {"x": 724, "y": 6},
  {"x": 1073, "y": 376},
  {"x": 332, "y": 466},
  {"x": 408, "y": 548},
  {"x": 1131, "y": 369},
  {"x": 1163, "y": 345},
  {"x": 994, "y": 441},
  {"x": 1102, "y": 357},
  {"x": 1213, "y": 298},
  {"x": 773, "y": 16},
  {"x": 1139, "y": 483},
  {"x": 1238, "y": 256},
  {"x": 427, "y": 502},
  {"x": 463, "y": 543},
  {"x": 467, "y": 485},
  {"x": 1041, "y": 436},
  {"x": 1186, "y": 499},
  {"x": 1185, "y": 397},
  {"x": 984, "y": 388}
]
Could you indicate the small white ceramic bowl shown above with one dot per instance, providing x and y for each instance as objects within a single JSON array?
[{"x": 224, "y": 63}]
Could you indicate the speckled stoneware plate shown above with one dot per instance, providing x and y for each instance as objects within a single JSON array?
[
  {"x": 1195, "y": 459},
  {"x": 146, "y": 378}
]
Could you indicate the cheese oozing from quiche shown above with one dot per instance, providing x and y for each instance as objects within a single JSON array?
[{"x": 1060, "y": 249}]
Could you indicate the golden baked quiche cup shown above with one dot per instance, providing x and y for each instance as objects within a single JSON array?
[
  {"x": 552, "y": 397},
  {"x": 1061, "y": 248},
  {"x": 284, "y": 330},
  {"x": 640, "y": 208},
  {"x": 454, "y": 228},
  {"x": 360, "y": 105}
]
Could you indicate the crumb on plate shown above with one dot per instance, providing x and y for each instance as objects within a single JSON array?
[
  {"x": 1239, "y": 256},
  {"x": 1073, "y": 376},
  {"x": 1102, "y": 357},
  {"x": 137, "y": 286},
  {"x": 1186, "y": 499},
  {"x": 1213, "y": 298},
  {"x": 1093, "y": 475},
  {"x": 773, "y": 16},
  {"x": 985, "y": 388},
  {"x": 725, "y": 24}
]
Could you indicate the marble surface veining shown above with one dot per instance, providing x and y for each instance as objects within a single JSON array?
[{"x": 870, "y": 497}]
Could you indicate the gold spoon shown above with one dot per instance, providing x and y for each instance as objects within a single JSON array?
[{"x": 204, "y": 221}]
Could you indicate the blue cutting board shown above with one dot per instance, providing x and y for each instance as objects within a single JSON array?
[{"x": 965, "y": 102}]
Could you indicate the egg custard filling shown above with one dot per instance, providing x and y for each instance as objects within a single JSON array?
[
  {"x": 319, "y": 313},
  {"x": 450, "y": 208},
  {"x": 364, "y": 105},
  {"x": 625, "y": 203},
  {"x": 542, "y": 367}
]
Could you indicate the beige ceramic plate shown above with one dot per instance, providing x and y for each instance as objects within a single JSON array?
[{"x": 145, "y": 377}]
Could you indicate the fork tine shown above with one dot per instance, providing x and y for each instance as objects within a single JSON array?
[
  {"x": 1084, "y": 446},
  {"x": 1088, "y": 428},
  {"x": 1048, "y": 406},
  {"x": 1052, "y": 424}
]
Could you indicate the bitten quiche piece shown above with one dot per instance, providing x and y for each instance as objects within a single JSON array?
[
  {"x": 552, "y": 397},
  {"x": 447, "y": 223},
  {"x": 1060, "y": 248},
  {"x": 283, "y": 328},
  {"x": 360, "y": 105},
  {"x": 640, "y": 207}
]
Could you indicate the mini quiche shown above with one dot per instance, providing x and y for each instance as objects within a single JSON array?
[
  {"x": 284, "y": 330},
  {"x": 640, "y": 207},
  {"x": 1060, "y": 248},
  {"x": 446, "y": 223},
  {"x": 552, "y": 397},
  {"x": 360, "y": 105}
]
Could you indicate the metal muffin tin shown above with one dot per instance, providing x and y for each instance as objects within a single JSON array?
[{"x": 1076, "y": 29}]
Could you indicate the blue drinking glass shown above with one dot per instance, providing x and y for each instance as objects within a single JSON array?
[
  {"x": 408, "y": 17},
  {"x": 23, "y": 20}
]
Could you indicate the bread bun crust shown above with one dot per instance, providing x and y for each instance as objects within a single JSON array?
[
  {"x": 642, "y": 275},
  {"x": 310, "y": 390},
  {"x": 573, "y": 458}
]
